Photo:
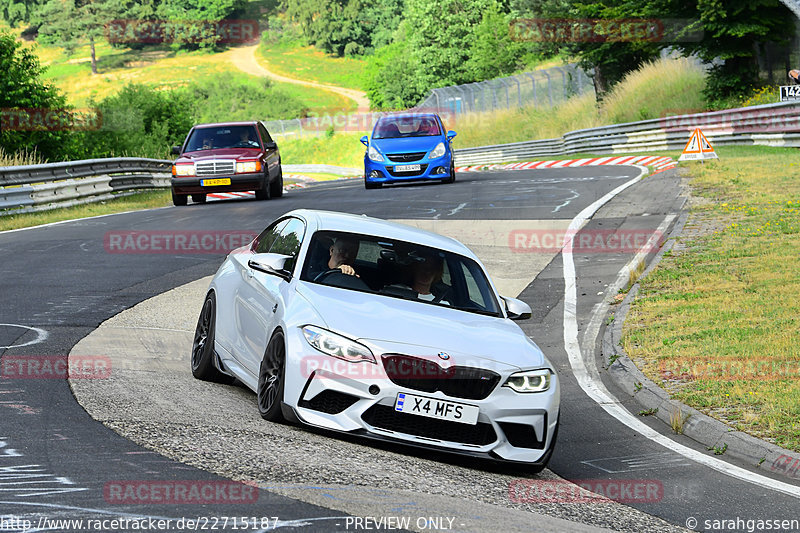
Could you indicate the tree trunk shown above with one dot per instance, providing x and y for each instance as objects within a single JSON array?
[
  {"x": 94, "y": 57},
  {"x": 600, "y": 83}
]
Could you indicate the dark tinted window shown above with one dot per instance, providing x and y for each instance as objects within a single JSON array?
[
  {"x": 265, "y": 137},
  {"x": 223, "y": 137},
  {"x": 264, "y": 241},
  {"x": 410, "y": 126},
  {"x": 400, "y": 269},
  {"x": 289, "y": 240}
]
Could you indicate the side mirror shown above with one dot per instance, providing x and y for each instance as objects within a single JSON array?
[
  {"x": 517, "y": 309},
  {"x": 176, "y": 150},
  {"x": 271, "y": 145},
  {"x": 364, "y": 140},
  {"x": 274, "y": 264},
  {"x": 451, "y": 135}
]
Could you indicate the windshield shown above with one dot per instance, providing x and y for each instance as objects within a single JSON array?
[
  {"x": 416, "y": 126},
  {"x": 223, "y": 137},
  {"x": 399, "y": 269}
]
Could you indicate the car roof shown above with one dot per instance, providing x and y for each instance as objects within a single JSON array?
[
  {"x": 218, "y": 124},
  {"x": 410, "y": 115},
  {"x": 335, "y": 221}
]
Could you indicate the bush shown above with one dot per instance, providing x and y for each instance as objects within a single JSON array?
[
  {"x": 21, "y": 88},
  {"x": 231, "y": 96},
  {"x": 140, "y": 121}
]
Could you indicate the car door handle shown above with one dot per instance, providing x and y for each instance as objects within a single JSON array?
[{"x": 275, "y": 308}]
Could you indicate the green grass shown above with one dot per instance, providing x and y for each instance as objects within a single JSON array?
[
  {"x": 295, "y": 60},
  {"x": 720, "y": 312},
  {"x": 133, "y": 202},
  {"x": 342, "y": 149},
  {"x": 159, "y": 67}
]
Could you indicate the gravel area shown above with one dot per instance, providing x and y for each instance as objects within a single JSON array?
[{"x": 152, "y": 399}]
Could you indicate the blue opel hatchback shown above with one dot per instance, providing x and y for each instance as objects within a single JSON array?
[{"x": 408, "y": 147}]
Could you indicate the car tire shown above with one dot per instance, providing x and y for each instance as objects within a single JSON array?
[
  {"x": 452, "y": 177},
  {"x": 368, "y": 185},
  {"x": 264, "y": 192},
  {"x": 179, "y": 199},
  {"x": 199, "y": 198},
  {"x": 276, "y": 187},
  {"x": 272, "y": 378},
  {"x": 202, "y": 360}
]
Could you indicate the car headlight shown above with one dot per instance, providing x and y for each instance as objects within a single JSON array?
[
  {"x": 335, "y": 345},
  {"x": 438, "y": 151},
  {"x": 185, "y": 169},
  {"x": 375, "y": 155},
  {"x": 529, "y": 381},
  {"x": 248, "y": 167}
]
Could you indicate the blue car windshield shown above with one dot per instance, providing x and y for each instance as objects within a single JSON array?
[
  {"x": 399, "y": 269},
  {"x": 223, "y": 137},
  {"x": 415, "y": 126}
]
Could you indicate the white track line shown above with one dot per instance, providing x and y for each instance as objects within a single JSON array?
[{"x": 595, "y": 389}]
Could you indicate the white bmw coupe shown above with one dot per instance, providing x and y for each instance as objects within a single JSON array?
[{"x": 382, "y": 330}]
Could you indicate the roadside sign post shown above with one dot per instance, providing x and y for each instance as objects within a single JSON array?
[
  {"x": 790, "y": 93},
  {"x": 698, "y": 148}
]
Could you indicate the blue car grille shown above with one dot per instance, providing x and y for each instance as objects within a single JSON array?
[
  {"x": 419, "y": 172},
  {"x": 406, "y": 158},
  {"x": 427, "y": 376}
]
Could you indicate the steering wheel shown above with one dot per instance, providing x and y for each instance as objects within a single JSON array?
[{"x": 328, "y": 272}]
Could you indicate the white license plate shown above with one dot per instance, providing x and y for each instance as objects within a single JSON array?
[
  {"x": 407, "y": 168},
  {"x": 433, "y": 408}
]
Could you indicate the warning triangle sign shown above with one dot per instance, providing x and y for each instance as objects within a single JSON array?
[{"x": 698, "y": 147}]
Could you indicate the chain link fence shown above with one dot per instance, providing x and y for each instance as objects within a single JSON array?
[{"x": 540, "y": 88}]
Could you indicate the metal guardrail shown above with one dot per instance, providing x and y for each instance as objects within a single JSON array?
[
  {"x": 769, "y": 125},
  {"x": 40, "y": 187}
]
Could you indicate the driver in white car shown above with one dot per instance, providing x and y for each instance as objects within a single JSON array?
[{"x": 343, "y": 254}]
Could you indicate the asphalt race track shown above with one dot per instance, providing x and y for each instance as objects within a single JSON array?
[{"x": 60, "y": 282}]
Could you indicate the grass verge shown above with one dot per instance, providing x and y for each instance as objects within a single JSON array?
[
  {"x": 716, "y": 324},
  {"x": 294, "y": 60},
  {"x": 133, "y": 202}
]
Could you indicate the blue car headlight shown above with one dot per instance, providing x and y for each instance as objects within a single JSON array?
[
  {"x": 374, "y": 155},
  {"x": 438, "y": 151}
]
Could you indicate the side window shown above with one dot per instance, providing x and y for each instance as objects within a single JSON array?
[
  {"x": 475, "y": 287},
  {"x": 264, "y": 241},
  {"x": 289, "y": 240},
  {"x": 265, "y": 138}
]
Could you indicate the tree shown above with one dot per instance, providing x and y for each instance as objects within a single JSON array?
[
  {"x": 68, "y": 22},
  {"x": 16, "y": 11},
  {"x": 732, "y": 29},
  {"x": 24, "y": 99}
]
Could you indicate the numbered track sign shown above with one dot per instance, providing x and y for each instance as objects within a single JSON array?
[
  {"x": 790, "y": 92},
  {"x": 698, "y": 148}
]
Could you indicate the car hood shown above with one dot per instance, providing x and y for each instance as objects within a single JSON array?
[
  {"x": 222, "y": 153},
  {"x": 407, "y": 144},
  {"x": 393, "y": 325}
]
